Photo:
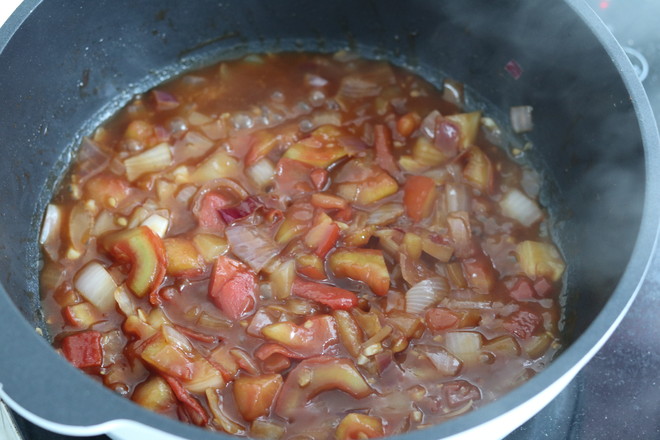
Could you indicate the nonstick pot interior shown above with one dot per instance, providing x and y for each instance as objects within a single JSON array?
[{"x": 67, "y": 65}]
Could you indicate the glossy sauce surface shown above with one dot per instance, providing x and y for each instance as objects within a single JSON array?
[{"x": 301, "y": 246}]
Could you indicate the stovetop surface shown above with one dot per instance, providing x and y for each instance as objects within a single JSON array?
[{"x": 617, "y": 395}]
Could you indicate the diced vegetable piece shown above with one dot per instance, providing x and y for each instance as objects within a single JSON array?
[
  {"x": 210, "y": 246},
  {"x": 262, "y": 143},
  {"x": 319, "y": 150},
  {"x": 220, "y": 416},
  {"x": 503, "y": 346},
  {"x": 419, "y": 195},
  {"x": 459, "y": 393},
  {"x": 319, "y": 177},
  {"x": 364, "y": 183},
  {"x": 157, "y": 223},
  {"x": 141, "y": 131},
  {"x": 469, "y": 127},
  {"x": 82, "y": 315},
  {"x": 108, "y": 189},
  {"x": 383, "y": 148},
  {"x": 425, "y": 153},
  {"x": 349, "y": 332},
  {"x": 521, "y": 118},
  {"x": 315, "y": 336},
  {"x": 522, "y": 323},
  {"x": 218, "y": 165},
  {"x": 359, "y": 426},
  {"x": 408, "y": 123},
  {"x": 479, "y": 272},
  {"x": 368, "y": 321},
  {"x": 262, "y": 173},
  {"x": 313, "y": 376},
  {"x": 191, "y": 405},
  {"x": 311, "y": 266},
  {"x": 440, "y": 318},
  {"x": 521, "y": 288},
  {"x": 412, "y": 245},
  {"x": 182, "y": 257},
  {"x": 410, "y": 325},
  {"x": 478, "y": 170},
  {"x": 460, "y": 232},
  {"x": 138, "y": 327},
  {"x": 333, "y": 297},
  {"x": 154, "y": 394},
  {"x": 255, "y": 395},
  {"x": 293, "y": 177},
  {"x": 452, "y": 91},
  {"x": 366, "y": 265},
  {"x": 145, "y": 252},
  {"x": 323, "y": 235},
  {"x": 439, "y": 251},
  {"x": 296, "y": 222},
  {"x": 445, "y": 362},
  {"x": 539, "y": 259},
  {"x": 455, "y": 275},
  {"x": 50, "y": 231},
  {"x": 150, "y": 161},
  {"x": 97, "y": 286},
  {"x": 204, "y": 375},
  {"x": 163, "y": 101},
  {"x": 81, "y": 221},
  {"x": 83, "y": 349},
  {"x": 232, "y": 287},
  {"x": 166, "y": 357},
  {"x": 536, "y": 345},
  {"x": 385, "y": 214},
  {"x": 518, "y": 206},
  {"x": 465, "y": 345},
  {"x": 425, "y": 294},
  {"x": 252, "y": 244},
  {"x": 328, "y": 201},
  {"x": 282, "y": 279}
]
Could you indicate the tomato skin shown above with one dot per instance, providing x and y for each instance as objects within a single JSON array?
[
  {"x": 383, "y": 147},
  {"x": 209, "y": 214},
  {"x": 83, "y": 349},
  {"x": 333, "y": 297},
  {"x": 523, "y": 323},
  {"x": 439, "y": 318},
  {"x": 232, "y": 287},
  {"x": 192, "y": 407},
  {"x": 418, "y": 197}
]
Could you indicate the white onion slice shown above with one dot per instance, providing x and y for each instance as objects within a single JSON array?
[
  {"x": 518, "y": 206},
  {"x": 521, "y": 118},
  {"x": 252, "y": 245},
  {"x": 149, "y": 161},
  {"x": 428, "y": 124},
  {"x": 97, "y": 286},
  {"x": 157, "y": 223},
  {"x": 50, "y": 231},
  {"x": 262, "y": 172},
  {"x": 465, "y": 345},
  {"x": 385, "y": 214},
  {"x": 176, "y": 338},
  {"x": 425, "y": 294},
  {"x": 457, "y": 197},
  {"x": 125, "y": 301}
]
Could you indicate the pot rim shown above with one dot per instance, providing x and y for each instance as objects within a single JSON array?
[{"x": 90, "y": 400}]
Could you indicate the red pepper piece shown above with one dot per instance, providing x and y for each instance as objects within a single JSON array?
[
  {"x": 333, "y": 297},
  {"x": 192, "y": 407},
  {"x": 83, "y": 349},
  {"x": 232, "y": 287},
  {"x": 145, "y": 251}
]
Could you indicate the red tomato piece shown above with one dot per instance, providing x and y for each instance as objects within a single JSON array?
[
  {"x": 439, "y": 318},
  {"x": 293, "y": 177},
  {"x": 522, "y": 289},
  {"x": 232, "y": 287},
  {"x": 418, "y": 197},
  {"x": 316, "y": 336},
  {"x": 408, "y": 123},
  {"x": 383, "y": 147},
  {"x": 522, "y": 323},
  {"x": 333, "y": 297},
  {"x": 543, "y": 287},
  {"x": 83, "y": 349},
  {"x": 209, "y": 214}
]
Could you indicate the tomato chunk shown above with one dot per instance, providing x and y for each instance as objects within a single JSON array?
[
  {"x": 83, "y": 349},
  {"x": 366, "y": 265},
  {"x": 523, "y": 323},
  {"x": 232, "y": 287},
  {"x": 359, "y": 426},
  {"x": 316, "y": 336},
  {"x": 418, "y": 197},
  {"x": 255, "y": 395},
  {"x": 333, "y": 297}
]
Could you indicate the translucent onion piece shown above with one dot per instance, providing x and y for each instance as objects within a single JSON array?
[
  {"x": 157, "y": 223},
  {"x": 518, "y": 206},
  {"x": 521, "y": 118},
  {"x": 356, "y": 87},
  {"x": 220, "y": 416},
  {"x": 196, "y": 118},
  {"x": 97, "y": 286},
  {"x": 152, "y": 160},
  {"x": 91, "y": 157},
  {"x": 50, "y": 231},
  {"x": 465, "y": 345},
  {"x": 445, "y": 362},
  {"x": 252, "y": 245},
  {"x": 326, "y": 118},
  {"x": 185, "y": 194},
  {"x": 428, "y": 124},
  {"x": 262, "y": 172},
  {"x": 105, "y": 222},
  {"x": 385, "y": 214},
  {"x": 193, "y": 145},
  {"x": 282, "y": 279},
  {"x": 81, "y": 222},
  {"x": 124, "y": 301},
  {"x": 425, "y": 294},
  {"x": 457, "y": 197},
  {"x": 176, "y": 338}
]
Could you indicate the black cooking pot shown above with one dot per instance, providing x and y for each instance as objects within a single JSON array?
[{"x": 66, "y": 65}]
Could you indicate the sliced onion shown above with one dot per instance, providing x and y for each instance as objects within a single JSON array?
[
  {"x": 50, "y": 231},
  {"x": 242, "y": 210},
  {"x": 176, "y": 338},
  {"x": 530, "y": 182},
  {"x": 428, "y": 124},
  {"x": 457, "y": 197},
  {"x": 425, "y": 294},
  {"x": 81, "y": 222},
  {"x": 218, "y": 184},
  {"x": 465, "y": 345},
  {"x": 164, "y": 100},
  {"x": 445, "y": 362},
  {"x": 326, "y": 118},
  {"x": 125, "y": 301},
  {"x": 157, "y": 223},
  {"x": 185, "y": 194},
  {"x": 518, "y": 206},
  {"x": 262, "y": 172},
  {"x": 356, "y": 87},
  {"x": 149, "y": 161},
  {"x": 105, "y": 222},
  {"x": 193, "y": 145},
  {"x": 252, "y": 244},
  {"x": 385, "y": 214},
  {"x": 460, "y": 231},
  {"x": 91, "y": 157},
  {"x": 452, "y": 91},
  {"x": 521, "y": 118},
  {"x": 97, "y": 286},
  {"x": 196, "y": 118}
]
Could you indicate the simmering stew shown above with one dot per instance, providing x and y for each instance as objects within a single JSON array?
[{"x": 302, "y": 246}]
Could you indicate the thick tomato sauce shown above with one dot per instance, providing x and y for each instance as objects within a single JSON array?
[{"x": 301, "y": 245}]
